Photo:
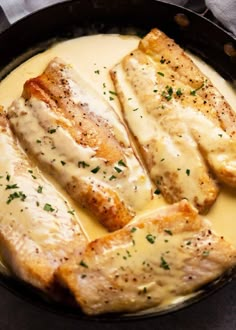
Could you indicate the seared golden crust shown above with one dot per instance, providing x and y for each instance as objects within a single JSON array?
[
  {"x": 37, "y": 232},
  {"x": 174, "y": 60},
  {"x": 168, "y": 254},
  {"x": 188, "y": 143},
  {"x": 101, "y": 172}
]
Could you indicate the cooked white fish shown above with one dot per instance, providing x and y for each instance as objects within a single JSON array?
[
  {"x": 78, "y": 138},
  {"x": 163, "y": 256},
  {"x": 38, "y": 229},
  {"x": 184, "y": 127}
]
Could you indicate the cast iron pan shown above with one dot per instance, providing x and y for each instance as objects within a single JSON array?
[{"x": 38, "y": 31}]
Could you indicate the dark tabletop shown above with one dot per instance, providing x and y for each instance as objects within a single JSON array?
[{"x": 217, "y": 312}]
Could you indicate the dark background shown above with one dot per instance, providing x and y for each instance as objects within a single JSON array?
[{"x": 217, "y": 312}]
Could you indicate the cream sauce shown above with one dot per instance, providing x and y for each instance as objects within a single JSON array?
[{"x": 92, "y": 57}]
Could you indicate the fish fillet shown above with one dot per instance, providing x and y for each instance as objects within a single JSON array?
[
  {"x": 77, "y": 137},
  {"x": 163, "y": 256},
  {"x": 185, "y": 129},
  {"x": 38, "y": 229}
]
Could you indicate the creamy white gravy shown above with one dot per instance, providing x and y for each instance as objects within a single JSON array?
[{"x": 92, "y": 57}]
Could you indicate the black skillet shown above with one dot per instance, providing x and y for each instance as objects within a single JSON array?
[{"x": 38, "y": 31}]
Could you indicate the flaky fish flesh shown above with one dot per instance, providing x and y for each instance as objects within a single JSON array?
[
  {"x": 184, "y": 127},
  {"x": 166, "y": 255}
]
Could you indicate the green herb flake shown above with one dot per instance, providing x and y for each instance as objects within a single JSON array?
[
  {"x": 38, "y": 141},
  {"x": 52, "y": 130},
  {"x": 161, "y": 73},
  {"x": 220, "y": 135},
  {"x": 48, "y": 207},
  {"x": 95, "y": 170},
  {"x": 121, "y": 163},
  {"x": 15, "y": 195},
  {"x": 82, "y": 164},
  {"x": 193, "y": 92},
  {"x": 11, "y": 186},
  {"x": 133, "y": 229},
  {"x": 113, "y": 93},
  {"x": 40, "y": 189},
  {"x": 164, "y": 264},
  {"x": 135, "y": 109},
  {"x": 83, "y": 276},
  {"x": 169, "y": 232},
  {"x": 111, "y": 98},
  {"x": 188, "y": 171},
  {"x": 118, "y": 170},
  {"x": 97, "y": 71},
  {"x": 83, "y": 264},
  {"x": 8, "y": 177},
  {"x": 189, "y": 243},
  {"x": 113, "y": 177},
  {"x": 71, "y": 212},
  {"x": 155, "y": 90},
  {"x": 63, "y": 163},
  {"x": 179, "y": 92},
  {"x": 167, "y": 94},
  {"x": 206, "y": 253},
  {"x": 150, "y": 238}
]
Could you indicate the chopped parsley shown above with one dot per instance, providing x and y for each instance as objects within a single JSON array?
[
  {"x": 118, "y": 170},
  {"x": 8, "y": 177},
  {"x": 150, "y": 238},
  {"x": 135, "y": 109},
  {"x": 52, "y": 130},
  {"x": 111, "y": 98},
  {"x": 71, "y": 212},
  {"x": 161, "y": 73},
  {"x": 164, "y": 264},
  {"x": 179, "y": 92},
  {"x": 15, "y": 195},
  {"x": 206, "y": 253},
  {"x": 82, "y": 164},
  {"x": 121, "y": 163},
  {"x": 11, "y": 186},
  {"x": 169, "y": 232},
  {"x": 113, "y": 93},
  {"x": 83, "y": 264},
  {"x": 38, "y": 141},
  {"x": 40, "y": 189},
  {"x": 188, "y": 171},
  {"x": 48, "y": 208},
  {"x": 97, "y": 71},
  {"x": 113, "y": 177},
  {"x": 95, "y": 170},
  {"x": 167, "y": 94},
  {"x": 193, "y": 92},
  {"x": 133, "y": 229},
  {"x": 63, "y": 163}
]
